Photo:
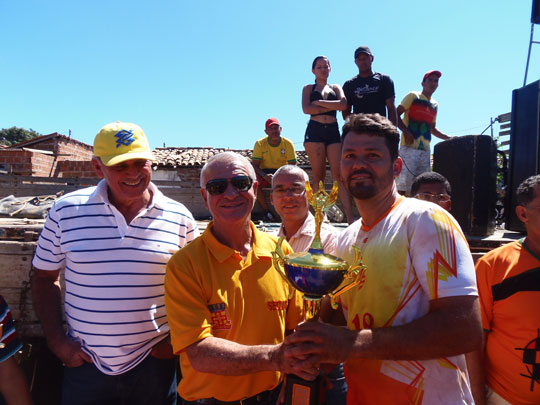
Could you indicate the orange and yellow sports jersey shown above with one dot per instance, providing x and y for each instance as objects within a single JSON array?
[
  {"x": 273, "y": 157},
  {"x": 509, "y": 286},
  {"x": 415, "y": 253},
  {"x": 210, "y": 290}
]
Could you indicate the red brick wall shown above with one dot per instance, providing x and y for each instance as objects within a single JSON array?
[
  {"x": 42, "y": 165},
  {"x": 71, "y": 159},
  {"x": 76, "y": 168},
  {"x": 18, "y": 162},
  {"x": 74, "y": 150}
]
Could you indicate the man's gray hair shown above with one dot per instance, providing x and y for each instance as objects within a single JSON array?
[
  {"x": 290, "y": 169},
  {"x": 227, "y": 156}
]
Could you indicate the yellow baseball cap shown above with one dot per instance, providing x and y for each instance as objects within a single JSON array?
[{"x": 121, "y": 141}]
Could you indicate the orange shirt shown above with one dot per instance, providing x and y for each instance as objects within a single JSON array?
[
  {"x": 210, "y": 290},
  {"x": 509, "y": 286}
]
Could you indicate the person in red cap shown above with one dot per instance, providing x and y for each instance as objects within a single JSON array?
[
  {"x": 417, "y": 126},
  {"x": 269, "y": 154}
]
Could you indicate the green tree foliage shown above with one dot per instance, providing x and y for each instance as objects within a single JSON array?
[{"x": 13, "y": 135}]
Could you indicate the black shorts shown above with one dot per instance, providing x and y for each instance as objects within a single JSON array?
[{"x": 322, "y": 133}]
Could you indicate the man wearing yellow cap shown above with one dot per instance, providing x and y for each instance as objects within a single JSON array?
[{"x": 114, "y": 241}]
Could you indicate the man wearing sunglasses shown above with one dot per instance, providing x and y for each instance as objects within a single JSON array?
[
  {"x": 434, "y": 187},
  {"x": 113, "y": 242},
  {"x": 228, "y": 307},
  {"x": 298, "y": 227}
]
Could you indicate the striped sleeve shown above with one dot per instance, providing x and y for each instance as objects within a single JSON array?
[
  {"x": 49, "y": 255},
  {"x": 9, "y": 336}
]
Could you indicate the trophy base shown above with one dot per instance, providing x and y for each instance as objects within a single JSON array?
[{"x": 303, "y": 392}]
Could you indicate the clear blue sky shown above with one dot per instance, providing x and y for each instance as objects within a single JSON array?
[{"x": 209, "y": 73}]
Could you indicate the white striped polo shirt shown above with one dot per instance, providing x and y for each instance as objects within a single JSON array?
[{"x": 114, "y": 272}]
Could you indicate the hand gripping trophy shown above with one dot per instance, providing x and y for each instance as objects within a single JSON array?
[{"x": 316, "y": 274}]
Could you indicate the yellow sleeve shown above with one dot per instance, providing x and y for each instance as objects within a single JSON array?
[
  {"x": 407, "y": 100},
  {"x": 257, "y": 152},
  {"x": 291, "y": 153},
  {"x": 185, "y": 301}
]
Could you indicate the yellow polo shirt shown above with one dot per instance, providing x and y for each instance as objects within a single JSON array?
[
  {"x": 210, "y": 290},
  {"x": 273, "y": 157}
]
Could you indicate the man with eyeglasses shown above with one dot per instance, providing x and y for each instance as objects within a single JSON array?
[
  {"x": 298, "y": 227},
  {"x": 507, "y": 368},
  {"x": 228, "y": 307},
  {"x": 290, "y": 201},
  {"x": 434, "y": 187},
  {"x": 113, "y": 242}
]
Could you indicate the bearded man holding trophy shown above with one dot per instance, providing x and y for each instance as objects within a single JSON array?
[{"x": 415, "y": 312}]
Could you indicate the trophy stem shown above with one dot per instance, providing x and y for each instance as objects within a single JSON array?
[{"x": 312, "y": 308}]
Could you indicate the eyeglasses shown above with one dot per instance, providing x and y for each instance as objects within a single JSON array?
[
  {"x": 433, "y": 197},
  {"x": 218, "y": 186},
  {"x": 295, "y": 191}
]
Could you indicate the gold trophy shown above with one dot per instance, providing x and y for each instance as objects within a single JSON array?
[{"x": 316, "y": 274}]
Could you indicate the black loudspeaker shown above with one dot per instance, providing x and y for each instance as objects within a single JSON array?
[
  {"x": 524, "y": 147},
  {"x": 535, "y": 15},
  {"x": 470, "y": 165}
]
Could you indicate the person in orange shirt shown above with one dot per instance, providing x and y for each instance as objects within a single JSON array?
[{"x": 507, "y": 368}]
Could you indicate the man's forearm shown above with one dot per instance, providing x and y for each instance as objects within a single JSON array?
[
  {"x": 439, "y": 134},
  {"x": 440, "y": 333},
  {"x": 220, "y": 356},
  {"x": 475, "y": 367},
  {"x": 47, "y": 299},
  {"x": 392, "y": 114},
  {"x": 451, "y": 327}
]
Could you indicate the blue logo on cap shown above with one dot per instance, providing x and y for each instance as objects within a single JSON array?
[{"x": 125, "y": 137}]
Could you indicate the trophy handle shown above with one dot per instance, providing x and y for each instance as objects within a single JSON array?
[
  {"x": 356, "y": 273},
  {"x": 277, "y": 260}
]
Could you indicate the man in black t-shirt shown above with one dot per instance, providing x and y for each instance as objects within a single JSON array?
[{"x": 369, "y": 92}]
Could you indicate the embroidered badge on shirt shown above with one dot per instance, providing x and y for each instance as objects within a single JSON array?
[
  {"x": 124, "y": 137},
  {"x": 220, "y": 318},
  {"x": 277, "y": 305}
]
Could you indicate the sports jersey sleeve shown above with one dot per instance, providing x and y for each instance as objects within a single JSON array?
[
  {"x": 257, "y": 151},
  {"x": 484, "y": 292},
  {"x": 49, "y": 255},
  {"x": 388, "y": 89},
  {"x": 290, "y": 152},
  {"x": 8, "y": 334},
  {"x": 188, "y": 315},
  {"x": 408, "y": 100},
  {"x": 440, "y": 254}
]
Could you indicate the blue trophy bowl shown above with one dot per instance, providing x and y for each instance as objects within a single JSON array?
[{"x": 315, "y": 273}]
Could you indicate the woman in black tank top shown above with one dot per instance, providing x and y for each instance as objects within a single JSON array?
[{"x": 322, "y": 140}]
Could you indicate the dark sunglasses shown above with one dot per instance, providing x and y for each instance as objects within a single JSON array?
[{"x": 218, "y": 186}]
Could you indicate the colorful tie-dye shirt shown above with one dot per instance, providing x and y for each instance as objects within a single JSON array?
[
  {"x": 420, "y": 117},
  {"x": 415, "y": 253}
]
